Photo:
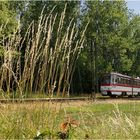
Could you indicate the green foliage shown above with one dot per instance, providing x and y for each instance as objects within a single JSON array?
[
  {"x": 8, "y": 19},
  {"x": 107, "y": 20},
  {"x": 112, "y": 39},
  {"x": 35, "y": 8},
  {"x": 9, "y": 22}
]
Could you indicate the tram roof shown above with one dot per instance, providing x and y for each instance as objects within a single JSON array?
[
  {"x": 119, "y": 74},
  {"x": 122, "y": 75}
]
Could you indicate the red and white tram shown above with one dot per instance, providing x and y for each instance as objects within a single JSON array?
[{"x": 116, "y": 84}]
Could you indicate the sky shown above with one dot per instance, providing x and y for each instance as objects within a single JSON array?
[{"x": 134, "y": 4}]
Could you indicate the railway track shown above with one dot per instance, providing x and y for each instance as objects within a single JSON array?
[
  {"x": 44, "y": 99},
  {"x": 65, "y": 99}
]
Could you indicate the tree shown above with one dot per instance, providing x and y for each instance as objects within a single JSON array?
[
  {"x": 106, "y": 39},
  {"x": 134, "y": 36},
  {"x": 8, "y": 21},
  {"x": 34, "y": 9}
]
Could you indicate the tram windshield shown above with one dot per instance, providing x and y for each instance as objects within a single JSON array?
[{"x": 106, "y": 79}]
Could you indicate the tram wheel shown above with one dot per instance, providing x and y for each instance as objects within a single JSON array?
[
  {"x": 110, "y": 95},
  {"x": 130, "y": 96},
  {"x": 123, "y": 94},
  {"x": 113, "y": 96}
]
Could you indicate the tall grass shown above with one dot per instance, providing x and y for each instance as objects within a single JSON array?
[
  {"x": 40, "y": 61},
  {"x": 54, "y": 120}
]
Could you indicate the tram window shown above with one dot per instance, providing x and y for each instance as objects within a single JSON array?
[
  {"x": 128, "y": 82},
  {"x": 135, "y": 82},
  {"x": 106, "y": 80},
  {"x": 125, "y": 81},
  {"x": 131, "y": 82},
  {"x": 113, "y": 79},
  {"x": 121, "y": 81},
  {"x": 117, "y": 80},
  {"x": 138, "y": 83}
]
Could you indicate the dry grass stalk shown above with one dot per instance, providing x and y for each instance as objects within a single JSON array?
[{"x": 43, "y": 66}]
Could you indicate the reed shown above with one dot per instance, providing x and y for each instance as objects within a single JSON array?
[{"x": 34, "y": 64}]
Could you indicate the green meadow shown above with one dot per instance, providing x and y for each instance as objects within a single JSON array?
[{"x": 69, "y": 120}]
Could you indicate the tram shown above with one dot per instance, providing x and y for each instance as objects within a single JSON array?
[{"x": 116, "y": 84}]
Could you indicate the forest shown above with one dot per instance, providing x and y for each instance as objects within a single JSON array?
[{"x": 65, "y": 47}]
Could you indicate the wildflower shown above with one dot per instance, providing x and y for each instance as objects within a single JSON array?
[{"x": 66, "y": 126}]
